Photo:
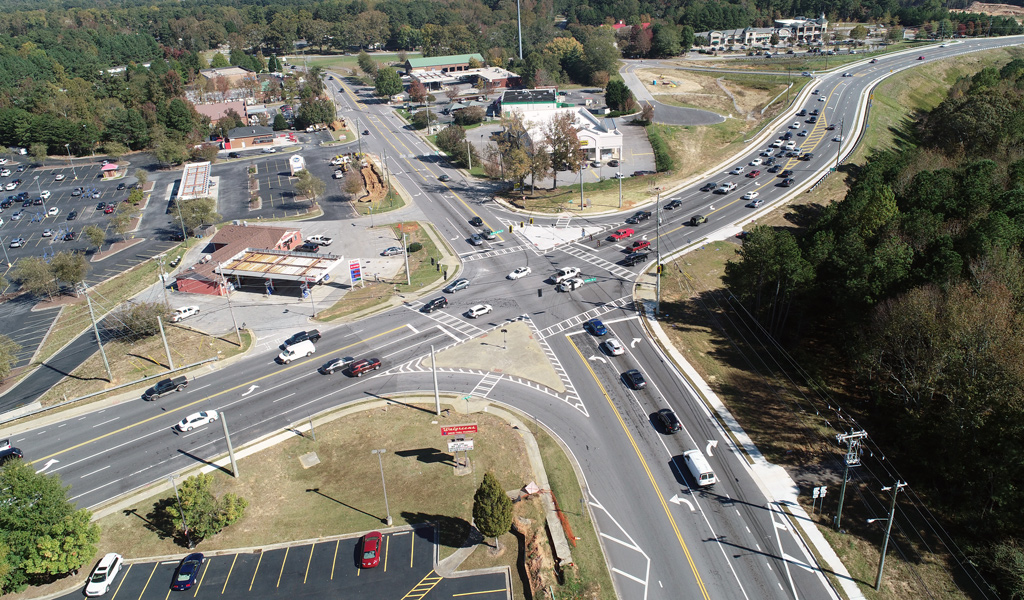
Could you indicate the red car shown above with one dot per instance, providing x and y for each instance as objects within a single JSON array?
[
  {"x": 640, "y": 245},
  {"x": 109, "y": 209},
  {"x": 920, "y": 58},
  {"x": 754, "y": 173},
  {"x": 622, "y": 234},
  {"x": 370, "y": 556}
]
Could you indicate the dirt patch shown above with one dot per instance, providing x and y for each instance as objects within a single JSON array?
[
  {"x": 669, "y": 81},
  {"x": 376, "y": 188},
  {"x": 999, "y": 10}
]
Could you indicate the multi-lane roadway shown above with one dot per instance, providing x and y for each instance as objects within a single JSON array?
[{"x": 664, "y": 537}]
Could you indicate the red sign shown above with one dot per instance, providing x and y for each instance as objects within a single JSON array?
[{"x": 457, "y": 429}]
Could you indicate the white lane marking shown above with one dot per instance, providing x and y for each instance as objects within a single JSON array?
[
  {"x": 283, "y": 397},
  {"x": 634, "y": 578},
  {"x": 48, "y": 464},
  {"x": 94, "y": 472},
  {"x": 104, "y": 422},
  {"x": 711, "y": 445},
  {"x": 199, "y": 388},
  {"x": 449, "y": 334}
]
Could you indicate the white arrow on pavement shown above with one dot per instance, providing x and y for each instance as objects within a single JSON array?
[
  {"x": 251, "y": 388},
  {"x": 600, "y": 358},
  {"x": 633, "y": 344},
  {"x": 48, "y": 464},
  {"x": 711, "y": 444},
  {"x": 677, "y": 501}
]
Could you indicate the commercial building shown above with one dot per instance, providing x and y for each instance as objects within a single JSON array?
[
  {"x": 600, "y": 138},
  {"x": 442, "y": 64},
  {"x": 195, "y": 181},
  {"x": 252, "y": 136},
  {"x": 800, "y": 30}
]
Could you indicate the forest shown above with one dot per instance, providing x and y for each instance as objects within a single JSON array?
[{"x": 919, "y": 275}]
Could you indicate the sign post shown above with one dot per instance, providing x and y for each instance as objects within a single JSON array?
[{"x": 459, "y": 443}]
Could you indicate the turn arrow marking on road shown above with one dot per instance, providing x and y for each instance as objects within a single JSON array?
[
  {"x": 251, "y": 388},
  {"x": 633, "y": 344},
  {"x": 677, "y": 501},
  {"x": 48, "y": 464},
  {"x": 600, "y": 358},
  {"x": 711, "y": 444}
]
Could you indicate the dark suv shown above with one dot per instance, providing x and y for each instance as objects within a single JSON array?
[
  {"x": 667, "y": 420},
  {"x": 8, "y": 452},
  {"x": 640, "y": 215},
  {"x": 435, "y": 304},
  {"x": 166, "y": 386},
  {"x": 635, "y": 258},
  {"x": 363, "y": 365},
  {"x": 312, "y": 335}
]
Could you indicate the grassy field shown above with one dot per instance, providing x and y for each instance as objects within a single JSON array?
[
  {"x": 348, "y": 62},
  {"x": 392, "y": 202}
]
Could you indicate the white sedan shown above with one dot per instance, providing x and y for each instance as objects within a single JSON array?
[
  {"x": 838, "y": 138},
  {"x": 756, "y": 162},
  {"x": 47, "y": 233},
  {"x": 750, "y": 195},
  {"x": 45, "y": 194},
  {"x": 197, "y": 420},
  {"x": 10, "y": 187},
  {"x": 53, "y": 211},
  {"x": 613, "y": 347},
  {"x": 59, "y": 177},
  {"x": 795, "y": 126},
  {"x": 736, "y": 171},
  {"x": 519, "y": 273},
  {"x": 479, "y": 310}
]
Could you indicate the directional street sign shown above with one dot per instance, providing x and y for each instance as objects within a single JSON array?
[{"x": 590, "y": 280}]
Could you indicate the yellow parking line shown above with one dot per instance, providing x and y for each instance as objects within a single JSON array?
[
  {"x": 123, "y": 578},
  {"x": 202, "y": 578},
  {"x": 255, "y": 571},
  {"x": 412, "y": 542},
  {"x": 148, "y": 579},
  {"x": 335, "y": 561},
  {"x": 311, "y": 548},
  {"x": 387, "y": 545},
  {"x": 498, "y": 591},
  {"x": 282, "y": 567},
  {"x": 230, "y": 570},
  {"x": 650, "y": 476}
]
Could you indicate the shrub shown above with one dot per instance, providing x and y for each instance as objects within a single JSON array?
[
  {"x": 415, "y": 247},
  {"x": 662, "y": 155}
]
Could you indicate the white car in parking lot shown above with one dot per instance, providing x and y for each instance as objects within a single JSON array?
[
  {"x": 479, "y": 310},
  {"x": 184, "y": 312},
  {"x": 518, "y": 273},
  {"x": 197, "y": 420},
  {"x": 320, "y": 240},
  {"x": 53, "y": 211},
  {"x": 59, "y": 177},
  {"x": 5, "y": 172},
  {"x": 17, "y": 242},
  {"x": 45, "y": 194}
]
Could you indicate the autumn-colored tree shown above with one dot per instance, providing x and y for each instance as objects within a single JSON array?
[
  {"x": 561, "y": 137},
  {"x": 417, "y": 92}
]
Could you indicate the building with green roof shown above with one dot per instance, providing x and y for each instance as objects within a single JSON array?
[{"x": 445, "y": 64}]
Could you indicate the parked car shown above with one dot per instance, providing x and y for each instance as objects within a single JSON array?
[
  {"x": 17, "y": 242},
  {"x": 336, "y": 364},
  {"x": 320, "y": 240},
  {"x": 53, "y": 211},
  {"x": 369, "y": 555},
  {"x": 234, "y": 155},
  {"x": 187, "y": 572},
  {"x": 457, "y": 285},
  {"x": 103, "y": 575},
  {"x": 518, "y": 273},
  {"x": 198, "y": 419},
  {"x": 47, "y": 232},
  {"x": 59, "y": 177},
  {"x": 435, "y": 304},
  {"x": 45, "y": 194},
  {"x": 392, "y": 251},
  {"x": 166, "y": 386},
  {"x": 72, "y": 215},
  {"x": 183, "y": 313}
]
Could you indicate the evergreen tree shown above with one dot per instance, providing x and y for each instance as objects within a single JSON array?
[{"x": 492, "y": 508}]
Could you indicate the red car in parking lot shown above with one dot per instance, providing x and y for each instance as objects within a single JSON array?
[{"x": 369, "y": 557}]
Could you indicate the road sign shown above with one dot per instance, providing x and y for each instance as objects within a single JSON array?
[
  {"x": 458, "y": 429},
  {"x": 460, "y": 445},
  {"x": 498, "y": 231},
  {"x": 590, "y": 280}
]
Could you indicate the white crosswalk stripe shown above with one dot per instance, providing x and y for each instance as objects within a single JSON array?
[
  {"x": 623, "y": 303},
  {"x": 486, "y": 385},
  {"x": 597, "y": 261},
  {"x": 448, "y": 322},
  {"x": 491, "y": 253}
]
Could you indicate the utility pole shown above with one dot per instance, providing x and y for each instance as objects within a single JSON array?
[
  {"x": 899, "y": 485},
  {"x": 384, "y": 485},
  {"x": 96, "y": 330},
  {"x": 839, "y": 148},
  {"x": 163, "y": 279},
  {"x": 581, "y": 189},
  {"x": 227, "y": 296},
  {"x": 163, "y": 336},
  {"x": 405, "y": 250},
  {"x": 437, "y": 393},
  {"x": 231, "y": 449},
  {"x": 181, "y": 511},
  {"x": 359, "y": 136},
  {"x": 853, "y": 441},
  {"x": 469, "y": 154},
  {"x": 519, "y": 23},
  {"x": 619, "y": 176},
  {"x": 657, "y": 250}
]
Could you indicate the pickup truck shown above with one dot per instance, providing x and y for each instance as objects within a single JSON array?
[
  {"x": 640, "y": 245},
  {"x": 166, "y": 386},
  {"x": 312, "y": 335},
  {"x": 622, "y": 234},
  {"x": 320, "y": 240},
  {"x": 566, "y": 273}
]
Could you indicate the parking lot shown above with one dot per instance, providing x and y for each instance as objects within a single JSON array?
[{"x": 327, "y": 569}]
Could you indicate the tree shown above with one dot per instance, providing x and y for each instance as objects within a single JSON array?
[
  {"x": 121, "y": 223},
  {"x": 665, "y": 41},
  {"x": 69, "y": 268},
  {"x": 352, "y": 183},
  {"x": 470, "y": 115},
  {"x": 309, "y": 186},
  {"x": 43, "y": 534},
  {"x": 492, "y": 508},
  {"x": 114, "y": 150},
  {"x": 894, "y": 34},
  {"x": 387, "y": 83},
  {"x": 367, "y": 64},
  {"x": 451, "y": 92},
  {"x": 141, "y": 176},
  {"x": 417, "y": 92},
  {"x": 561, "y": 136},
  {"x": 38, "y": 152},
  {"x": 135, "y": 321},
  {"x": 194, "y": 212},
  {"x": 205, "y": 514},
  {"x": 859, "y": 33},
  {"x": 33, "y": 275},
  {"x": 617, "y": 94},
  {"x": 94, "y": 235},
  {"x": 421, "y": 118},
  {"x": 219, "y": 61},
  {"x": 9, "y": 350},
  {"x": 280, "y": 123}
]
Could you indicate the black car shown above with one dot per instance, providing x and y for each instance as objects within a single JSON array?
[
  {"x": 6, "y": 203},
  {"x": 635, "y": 379},
  {"x": 769, "y": 161},
  {"x": 803, "y": 112},
  {"x": 788, "y": 182},
  {"x": 775, "y": 169},
  {"x": 312, "y": 335},
  {"x": 814, "y": 112},
  {"x": 444, "y": 177},
  {"x": 176, "y": 237},
  {"x": 476, "y": 221},
  {"x": 635, "y": 258},
  {"x": 9, "y": 452},
  {"x": 101, "y": 206},
  {"x": 807, "y": 156},
  {"x": 72, "y": 215},
  {"x": 121, "y": 186},
  {"x": 786, "y": 173},
  {"x": 812, "y": 120},
  {"x": 187, "y": 572},
  {"x": 336, "y": 364},
  {"x": 26, "y": 204},
  {"x": 788, "y": 135},
  {"x": 234, "y": 155},
  {"x": 697, "y": 220},
  {"x": 435, "y": 304},
  {"x": 667, "y": 420},
  {"x": 613, "y": 163},
  {"x": 709, "y": 187},
  {"x": 38, "y": 202},
  {"x": 308, "y": 247},
  {"x": 640, "y": 215},
  {"x": 639, "y": 173},
  {"x": 166, "y": 386},
  {"x": 673, "y": 204}
]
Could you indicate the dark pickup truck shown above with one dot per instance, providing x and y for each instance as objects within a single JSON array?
[
  {"x": 312, "y": 335},
  {"x": 166, "y": 386}
]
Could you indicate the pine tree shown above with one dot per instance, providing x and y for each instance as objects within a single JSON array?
[{"x": 492, "y": 508}]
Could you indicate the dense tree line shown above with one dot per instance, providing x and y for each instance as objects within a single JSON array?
[{"x": 921, "y": 268}]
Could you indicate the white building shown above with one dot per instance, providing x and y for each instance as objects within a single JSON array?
[
  {"x": 600, "y": 138},
  {"x": 800, "y": 30}
]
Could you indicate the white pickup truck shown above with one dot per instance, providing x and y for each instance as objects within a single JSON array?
[{"x": 566, "y": 273}]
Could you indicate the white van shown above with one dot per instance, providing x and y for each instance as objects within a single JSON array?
[
  {"x": 699, "y": 468},
  {"x": 303, "y": 348}
]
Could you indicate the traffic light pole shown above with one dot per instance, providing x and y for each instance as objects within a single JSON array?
[{"x": 657, "y": 249}]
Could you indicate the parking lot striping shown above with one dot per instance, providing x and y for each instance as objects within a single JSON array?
[
  {"x": 191, "y": 404},
  {"x": 286, "y": 549},
  {"x": 334, "y": 562},
  {"x": 228, "y": 578},
  {"x": 647, "y": 469},
  {"x": 201, "y": 578},
  {"x": 148, "y": 579},
  {"x": 311, "y": 548},
  {"x": 497, "y": 591},
  {"x": 421, "y": 589},
  {"x": 255, "y": 571}
]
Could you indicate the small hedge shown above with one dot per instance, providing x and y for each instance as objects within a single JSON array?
[
  {"x": 415, "y": 247},
  {"x": 663, "y": 160}
]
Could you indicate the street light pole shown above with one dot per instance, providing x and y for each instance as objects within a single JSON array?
[
  {"x": 71, "y": 161},
  {"x": 40, "y": 192},
  {"x": 839, "y": 148},
  {"x": 888, "y": 528},
  {"x": 469, "y": 154},
  {"x": 384, "y": 485},
  {"x": 619, "y": 176},
  {"x": 3, "y": 244},
  {"x": 181, "y": 511}
]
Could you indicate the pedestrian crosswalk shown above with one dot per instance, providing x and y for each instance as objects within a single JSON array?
[
  {"x": 449, "y": 324},
  {"x": 624, "y": 303},
  {"x": 486, "y": 384},
  {"x": 492, "y": 253},
  {"x": 597, "y": 261}
]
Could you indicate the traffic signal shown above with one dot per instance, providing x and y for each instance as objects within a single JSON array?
[
  {"x": 510, "y": 228},
  {"x": 660, "y": 269},
  {"x": 531, "y": 220}
]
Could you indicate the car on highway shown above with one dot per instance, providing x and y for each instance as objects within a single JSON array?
[
  {"x": 489, "y": 235},
  {"x": 479, "y": 310},
  {"x": 621, "y": 234},
  {"x": 807, "y": 156},
  {"x": 166, "y": 386},
  {"x": 697, "y": 220},
  {"x": 673, "y": 204},
  {"x": 667, "y": 421},
  {"x": 920, "y": 58},
  {"x": 802, "y": 133},
  {"x": 53, "y": 211},
  {"x": 363, "y": 365},
  {"x": 736, "y": 171},
  {"x": 320, "y": 240},
  {"x": 709, "y": 186},
  {"x": 634, "y": 379},
  {"x": 613, "y": 347},
  {"x": 369, "y": 554},
  {"x": 639, "y": 245},
  {"x": 519, "y": 273},
  {"x": 45, "y": 194},
  {"x": 838, "y": 138},
  {"x": 17, "y": 242},
  {"x": 638, "y": 216},
  {"x": 595, "y": 327},
  {"x": 750, "y": 195},
  {"x": 812, "y": 120},
  {"x": 9, "y": 452},
  {"x": 564, "y": 273},
  {"x": 444, "y": 177},
  {"x": 476, "y": 239},
  {"x": 753, "y": 173},
  {"x": 786, "y": 173},
  {"x": 788, "y": 182},
  {"x": 203, "y": 417},
  {"x": 821, "y": 98},
  {"x": 183, "y": 313},
  {"x": 847, "y": 74},
  {"x": 335, "y": 364},
  {"x": 435, "y": 304},
  {"x": 725, "y": 188},
  {"x": 802, "y": 113},
  {"x": 795, "y": 126},
  {"x": 187, "y": 572},
  {"x": 103, "y": 575},
  {"x": 755, "y": 203},
  {"x": 635, "y": 258},
  {"x": 476, "y": 222},
  {"x": 767, "y": 152},
  {"x": 312, "y": 335},
  {"x": 573, "y": 283},
  {"x": 392, "y": 251},
  {"x": 777, "y": 144},
  {"x": 457, "y": 285},
  {"x": 756, "y": 162}
]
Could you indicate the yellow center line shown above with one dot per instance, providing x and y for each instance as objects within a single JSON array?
[
  {"x": 184, "y": 406},
  {"x": 647, "y": 469}
]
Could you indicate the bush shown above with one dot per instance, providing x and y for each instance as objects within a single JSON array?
[
  {"x": 469, "y": 116},
  {"x": 663, "y": 160},
  {"x": 414, "y": 247}
]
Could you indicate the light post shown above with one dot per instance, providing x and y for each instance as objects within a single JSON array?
[
  {"x": 384, "y": 485},
  {"x": 504, "y": 339},
  {"x": 74, "y": 174},
  {"x": 619, "y": 177},
  {"x": 839, "y": 148},
  {"x": 181, "y": 511},
  {"x": 40, "y": 192},
  {"x": 3, "y": 244},
  {"x": 469, "y": 154}
]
